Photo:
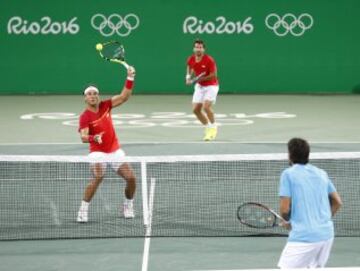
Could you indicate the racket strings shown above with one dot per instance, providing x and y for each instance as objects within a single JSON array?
[
  {"x": 114, "y": 51},
  {"x": 257, "y": 217}
]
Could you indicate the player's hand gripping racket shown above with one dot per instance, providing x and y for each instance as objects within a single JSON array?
[
  {"x": 112, "y": 51},
  {"x": 197, "y": 78},
  {"x": 257, "y": 215}
]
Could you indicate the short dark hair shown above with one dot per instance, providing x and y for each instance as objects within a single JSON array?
[
  {"x": 199, "y": 41},
  {"x": 299, "y": 150}
]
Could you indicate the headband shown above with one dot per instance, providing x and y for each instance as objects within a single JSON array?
[{"x": 91, "y": 88}]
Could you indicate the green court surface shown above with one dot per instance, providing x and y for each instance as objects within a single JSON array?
[
  {"x": 164, "y": 125},
  {"x": 159, "y": 125},
  {"x": 165, "y": 254}
]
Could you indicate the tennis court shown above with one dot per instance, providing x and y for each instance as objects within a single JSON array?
[
  {"x": 161, "y": 126},
  {"x": 283, "y": 69}
]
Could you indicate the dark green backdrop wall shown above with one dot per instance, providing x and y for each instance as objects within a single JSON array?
[{"x": 304, "y": 46}]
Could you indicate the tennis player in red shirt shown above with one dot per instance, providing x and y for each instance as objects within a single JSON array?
[
  {"x": 96, "y": 128},
  {"x": 206, "y": 87}
]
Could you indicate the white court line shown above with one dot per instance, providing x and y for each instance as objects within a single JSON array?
[
  {"x": 68, "y": 179},
  {"x": 104, "y": 201},
  {"x": 290, "y": 269},
  {"x": 175, "y": 142},
  {"x": 145, "y": 261},
  {"x": 39, "y": 143},
  {"x": 54, "y": 210},
  {"x": 145, "y": 202},
  {"x": 54, "y": 213},
  {"x": 151, "y": 204}
]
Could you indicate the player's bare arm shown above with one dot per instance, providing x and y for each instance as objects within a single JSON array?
[
  {"x": 86, "y": 138},
  {"x": 285, "y": 207},
  {"x": 189, "y": 74},
  {"x": 126, "y": 91},
  {"x": 335, "y": 202}
]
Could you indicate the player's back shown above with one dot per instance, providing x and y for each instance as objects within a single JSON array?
[{"x": 310, "y": 207}]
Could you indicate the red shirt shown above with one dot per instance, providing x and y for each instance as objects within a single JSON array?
[
  {"x": 206, "y": 64},
  {"x": 100, "y": 122}
]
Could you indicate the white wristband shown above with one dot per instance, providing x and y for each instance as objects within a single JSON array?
[
  {"x": 188, "y": 76},
  {"x": 130, "y": 78}
]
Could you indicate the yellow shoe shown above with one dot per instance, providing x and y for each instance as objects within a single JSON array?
[
  {"x": 207, "y": 136},
  {"x": 213, "y": 133}
]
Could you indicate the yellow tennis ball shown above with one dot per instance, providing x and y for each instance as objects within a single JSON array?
[{"x": 99, "y": 46}]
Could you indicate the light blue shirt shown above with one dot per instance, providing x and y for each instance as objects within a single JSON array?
[{"x": 309, "y": 188}]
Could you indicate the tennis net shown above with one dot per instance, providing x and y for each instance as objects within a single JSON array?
[{"x": 176, "y": 195}]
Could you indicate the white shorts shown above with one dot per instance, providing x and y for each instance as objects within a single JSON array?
[
  {"x": 113, "y": 157},
  {"x": 205, "y": 93},
  {"x": 305, "y": 255}
]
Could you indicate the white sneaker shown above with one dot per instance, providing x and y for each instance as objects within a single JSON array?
[
  {"x": 82, "y": 216},
  {"x": 128, "y": 210}
]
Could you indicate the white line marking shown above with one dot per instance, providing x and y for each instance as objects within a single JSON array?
[
  {"x": 145, "y": 261},
  {"x": 68, "y": 179},
  {"x": 54, "y": 213},
  {"x": 144, "y": 191},
  {"x": 38, "y": 143},
  {"x": 175, "y": 142},
  {"x": 299, "y": 269},
  {"x": 145, "y": 215},
  {"x": 104, "y": 201},
  {"x": 151, "y": 204}
]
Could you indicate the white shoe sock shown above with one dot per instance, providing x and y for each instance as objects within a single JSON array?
[
  {"x": 212, "y": 125},
  {"x": 84, "y": 206},
  {"x": 128, "y": 201}
]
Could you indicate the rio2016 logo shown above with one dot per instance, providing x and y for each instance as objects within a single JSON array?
[
  {"x": 17, "y": 25},
  {"x": 221, "y": 25}
]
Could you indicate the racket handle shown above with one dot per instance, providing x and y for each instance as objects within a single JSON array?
[{"x": 194, "y": 80}]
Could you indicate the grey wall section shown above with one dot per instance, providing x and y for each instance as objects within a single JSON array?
[{"x": 304, "y": 47}]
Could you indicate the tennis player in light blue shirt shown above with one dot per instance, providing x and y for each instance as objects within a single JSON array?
[{"x": 308, "y": 200}]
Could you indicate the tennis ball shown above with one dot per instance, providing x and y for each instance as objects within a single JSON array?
[{"x": 99, "y": 46}]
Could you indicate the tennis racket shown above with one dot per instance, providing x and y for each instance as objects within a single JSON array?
[
  {"x": 197, "y": 78},
  {"x": 113, "y": 51},
  {"x": 257, "y": 215}
]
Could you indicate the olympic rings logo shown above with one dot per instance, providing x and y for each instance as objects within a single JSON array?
[
  {"x": 115, "y": 23},
  {"x": 289, "y": 23}
]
